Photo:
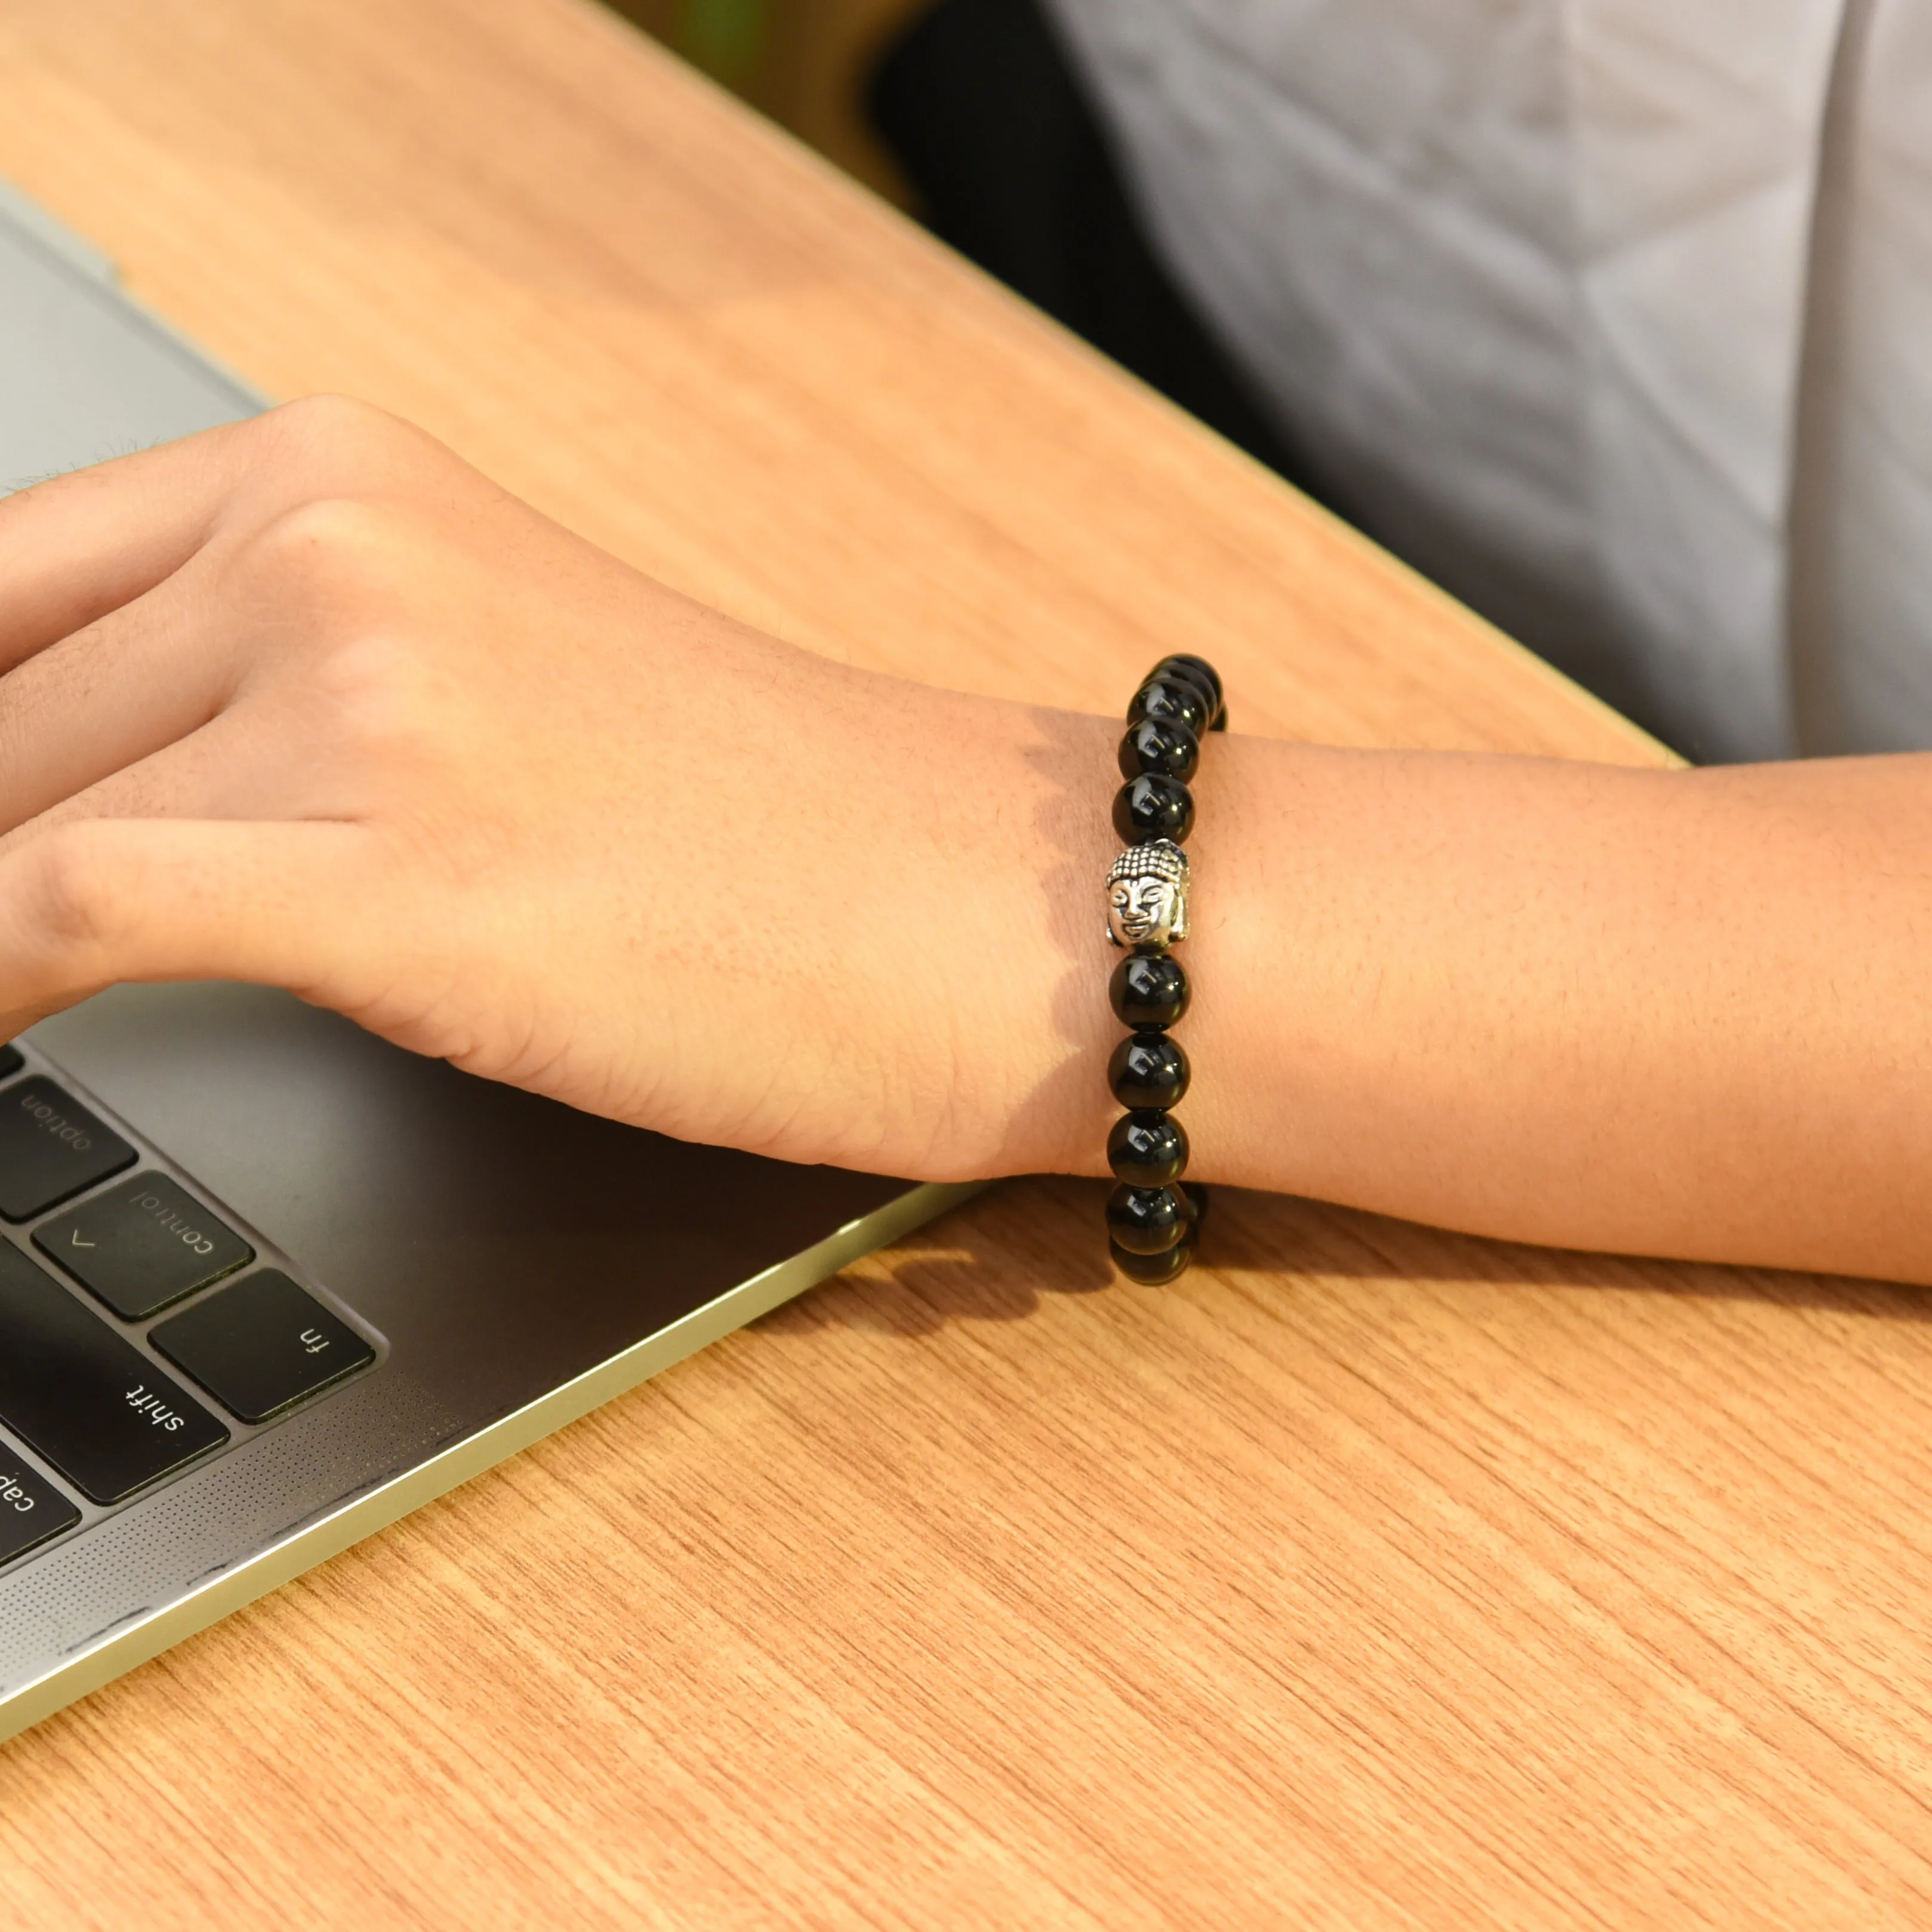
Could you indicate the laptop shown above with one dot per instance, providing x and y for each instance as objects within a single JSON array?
[{"x": 267, "y": 1283}]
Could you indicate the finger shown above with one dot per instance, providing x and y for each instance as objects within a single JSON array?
[
  {"x": 95, "y": 901},
  {"x": 76, "y": 547},
  {"x": 253, "y": 762},
  {"x": 127, "y": 685},
  {"x": 189, "y": 780}
]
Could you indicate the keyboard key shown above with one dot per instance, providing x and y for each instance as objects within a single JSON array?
[
  {"x": 51, "y": 1147},
  {"x": 32, "y": 1509},
  {"x": 95, "y": 1407},
  {"x": 11, "y": 1061},
  {"x": 143, "y": 1244},
  {"x": 261, "y": 1345}
]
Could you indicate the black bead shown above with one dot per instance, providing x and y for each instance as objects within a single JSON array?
[
  {"x": 1171, "y": 698},
  {"x": 1205, "y": 676},
  {"x": 1163, "y": 746},
  {"x": 1148, "y": 808},
  {"x": 1153, "y": 1271},
  {"x": 1147, "y": 1220},
  {"x": 1203, "y": 672},
  {"x": 1197, "y": 1199},
  {"x": 1197, "y": 674},
  {"x": 1148, "y": 1071},
  {"x": 1148, "y": 1150},
  {"x": 1149, "y": 989}
]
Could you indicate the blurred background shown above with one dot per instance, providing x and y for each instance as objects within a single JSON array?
[
  {"x": 967, "y": 114},
  {"x": 805, "y": 63}
]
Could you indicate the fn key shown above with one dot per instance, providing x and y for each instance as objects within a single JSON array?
[{"x": 261, "y": 1345}]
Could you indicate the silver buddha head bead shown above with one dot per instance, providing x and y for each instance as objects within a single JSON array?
[{"x": 1147, "y": 895}]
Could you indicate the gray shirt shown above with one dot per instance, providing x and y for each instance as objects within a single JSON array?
[{"x": 1615, "y": 317}]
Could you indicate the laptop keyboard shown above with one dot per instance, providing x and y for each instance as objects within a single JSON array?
[{"x": 138, "y": 1335}]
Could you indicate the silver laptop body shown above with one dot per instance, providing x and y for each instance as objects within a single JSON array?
[{"x": 266, "y": 1283}]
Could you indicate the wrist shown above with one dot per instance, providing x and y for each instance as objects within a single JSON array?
[{"x": 1027, "y": 1028}]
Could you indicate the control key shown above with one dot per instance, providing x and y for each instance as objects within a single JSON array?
[{"x": 142, "y": 1243}]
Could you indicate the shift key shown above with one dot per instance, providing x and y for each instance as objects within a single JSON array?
[{"x": 95, "y": 1407}]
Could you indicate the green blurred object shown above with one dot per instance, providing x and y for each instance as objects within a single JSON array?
[
  {"x": 724, "y": 38},
  {"x": 803, "y": 62}
]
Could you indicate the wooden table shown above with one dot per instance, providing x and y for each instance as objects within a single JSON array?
[{"x": 1370, "y": 1578}]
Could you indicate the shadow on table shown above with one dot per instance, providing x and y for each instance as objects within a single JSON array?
[{"x": 1001, "y": 1257}]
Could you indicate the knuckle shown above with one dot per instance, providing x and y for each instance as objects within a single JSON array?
[
  {"x": 331, "y": 429},
  {"x": 331, "y": 544},
  {"x": 330, "y": 525},
  {"x": 377, "y": 692},
  {"x": 336, "y": 583},
  {"x": 76, "y": 905},
  {"x": 321, "y": 447}
]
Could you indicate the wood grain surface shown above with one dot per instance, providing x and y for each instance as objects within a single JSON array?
[{"x": 1370, "y": 1578}]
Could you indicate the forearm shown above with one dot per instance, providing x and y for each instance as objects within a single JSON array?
[
  {"x": 1672, "y": 1012},
  {"x": 501, "y": 799}
]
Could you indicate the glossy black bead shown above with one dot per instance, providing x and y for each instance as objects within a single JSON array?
[
  {"x": 1202, "y": 670},
  {"x": 1189, "y": 669},
  {"x": 1148, "y": 1072},
  {"x": 1171, "y": 698},
  {"x": 1161, "y": 747},
  {"x": 1149, "y": 807},
  {"x": 1147, "y": 1220},
  {"x": 1149, "y": 989},
  {"x": 1153, "y": 1271},
  {"x": 1148, "y": 1150},
  {"x": 1206, "y": 677}
]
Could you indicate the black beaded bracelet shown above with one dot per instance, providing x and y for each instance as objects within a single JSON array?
[{"x": 1153, "y": 1222}]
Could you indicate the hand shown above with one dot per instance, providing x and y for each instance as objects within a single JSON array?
[{"x": 308, "y": 702}]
